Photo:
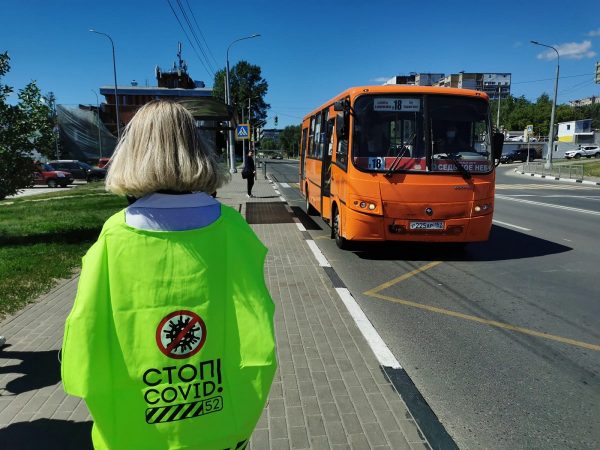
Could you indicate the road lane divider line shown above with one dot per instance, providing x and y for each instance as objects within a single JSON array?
[
  {"x": 403, "y": 277},
  {"x": 284, "y": 185},
  {"x": 320, "y": 257},
  {"x": 549, "y": 205},
  {"x": 385, "y": 357},
  {"x": 511, "y": 225},
  {"x": 483, "y": 321}
]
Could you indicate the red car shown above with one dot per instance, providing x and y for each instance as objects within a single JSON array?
[
  {"x": 103, "y": 163},
  {"x": 45, "y": 174}
]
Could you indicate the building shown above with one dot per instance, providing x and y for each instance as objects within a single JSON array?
[
  {"x": 493, "y": 84},
  {"x": 172, "y": 84},
  {"x": 88, "y": 132},
  {"x": 593, "y": 100},
  {"x": 576, "y": 131},
  {"x": 402, "y": 79},
  {"x": 428, "y": 79},
  {"x": 270, "y": 133}
]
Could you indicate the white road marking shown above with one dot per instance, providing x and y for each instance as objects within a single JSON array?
[
  {"x": 281, "y": 198},
  {"x": 317, "y": 252},
  {"x": 300, "y": 226},
  {"x": 284, "y": 185},
  {"x": 379, "y": 347},
  {"x": 549, "y": 185},
  {"x": 549, "y": 205},
  {"x": 277, "y": 192},
  {"x": 511, "y": 225}
]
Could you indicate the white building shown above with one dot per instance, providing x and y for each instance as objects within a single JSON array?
[{"x": 576, "y": 131}]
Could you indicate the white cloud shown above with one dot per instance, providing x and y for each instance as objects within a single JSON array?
[
  {"x": 380, "y": 79},
  {"x": 570, "y": 50},
  {"x": 594, "y": 33}
]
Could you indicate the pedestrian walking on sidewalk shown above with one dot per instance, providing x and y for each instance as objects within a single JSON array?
[
  {"x": 249, "y": 173},
  {"x": 170, "y": 340}
]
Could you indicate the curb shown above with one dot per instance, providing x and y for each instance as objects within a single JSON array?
[{"x": 570, "y": 180}]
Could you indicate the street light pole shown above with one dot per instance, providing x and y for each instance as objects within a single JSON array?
[
  {"x": 232, "y": 168},
  {"x": 115, "y": 77},
  {"x": 551, "y": 134},
  {"x": 98, "y": 124}
]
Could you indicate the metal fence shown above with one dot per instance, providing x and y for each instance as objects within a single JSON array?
[{"x": 571, "y": 171}]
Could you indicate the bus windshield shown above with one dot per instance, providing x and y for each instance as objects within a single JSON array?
[{"x": 410, "y": 133}]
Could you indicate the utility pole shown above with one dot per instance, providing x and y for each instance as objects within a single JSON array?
[
  {"x": 498, "y": 118},
  {"x": 98, "y": 124},
  {"x": 551, "y": 133},
  {"x": 244, "y": 142}
]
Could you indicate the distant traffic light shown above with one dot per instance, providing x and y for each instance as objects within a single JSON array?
[{"x": 276, "y": 120}]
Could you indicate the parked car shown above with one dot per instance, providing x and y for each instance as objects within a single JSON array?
[
  {"x": 103, "y": 162},
  {"x": 510, "y": 138},
  {"x": 79, "y": 169},
  {"x": 584, "y": 150},
  {"x": 277, "y": 157},
  {"x": 45, "y": 174},
  {"x": 519, "y": 154}
]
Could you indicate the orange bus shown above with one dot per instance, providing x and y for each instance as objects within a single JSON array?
[{"x": 401, "y": 163}]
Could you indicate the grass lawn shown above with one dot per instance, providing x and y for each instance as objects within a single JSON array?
[
  {"x": 43, "y": 237},
  {"x": 591, "y": 168}
]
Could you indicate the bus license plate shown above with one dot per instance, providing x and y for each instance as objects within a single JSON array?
[{"x": 427, "y": 225}]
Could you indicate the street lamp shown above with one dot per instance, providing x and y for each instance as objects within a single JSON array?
[
  {"x": 115, "y": 75},
  {"x": 551, "y": 135},
  {"x": 98, "y": 123},
  {"x": 232, "y": 168}
]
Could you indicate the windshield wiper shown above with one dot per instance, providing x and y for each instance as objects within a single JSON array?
[
  {"x": 399, "y": 157},
  {"x": 463, "y": 171}
]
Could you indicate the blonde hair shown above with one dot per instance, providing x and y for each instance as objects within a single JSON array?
[{"x": 161, "y": 149}]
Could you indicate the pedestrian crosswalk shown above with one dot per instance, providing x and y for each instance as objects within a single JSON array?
[{"x": 528, "y": 186}]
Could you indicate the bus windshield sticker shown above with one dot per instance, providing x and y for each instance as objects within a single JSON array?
[
  {"x": 397, "y": 104},
  {"x": 471, "y": 166}
]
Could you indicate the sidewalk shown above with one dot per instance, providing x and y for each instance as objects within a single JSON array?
[{"x": 329, "y": 391}]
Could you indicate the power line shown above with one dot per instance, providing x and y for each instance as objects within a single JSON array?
[
  {"x": 578, "y": 86},
  {"x": 188, "y": 38},
  {"x": 201, "y": 34},
  {"x": 185, "y": 16},
  {"x": 552, "y": 79}
]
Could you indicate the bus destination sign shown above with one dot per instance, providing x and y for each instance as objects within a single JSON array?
[{"x": 397, "y": 104}]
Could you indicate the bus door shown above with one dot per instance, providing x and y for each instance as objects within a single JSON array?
[
  {"x": 303, "y": 148},
  {"x": 326, "y": 141}
]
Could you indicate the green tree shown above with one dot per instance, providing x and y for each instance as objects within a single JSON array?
[
  {"x": 268, "y": 144},
  {"x": 289, "y": 139},
  {"x": 246, "y": 82},
  {"x": 24, "y": 127}
]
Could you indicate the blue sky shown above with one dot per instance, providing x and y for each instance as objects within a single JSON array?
[{"x": 309, "y": 51}]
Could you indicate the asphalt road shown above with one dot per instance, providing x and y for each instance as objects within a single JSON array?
[{"x": 503, "y": 339}]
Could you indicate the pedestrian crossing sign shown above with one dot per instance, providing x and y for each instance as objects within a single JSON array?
[{"x": 242, "y": 132}]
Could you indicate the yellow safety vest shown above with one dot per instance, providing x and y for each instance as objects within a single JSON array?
[{"x": 170, "y": 340}]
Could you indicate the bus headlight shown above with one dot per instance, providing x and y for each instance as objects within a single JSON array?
[
  {"x": 482, "y": 208},
  {"x": 367, "y": 206}
]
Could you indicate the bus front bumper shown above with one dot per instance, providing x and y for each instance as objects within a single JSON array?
[{"x": 364, "y": 227}]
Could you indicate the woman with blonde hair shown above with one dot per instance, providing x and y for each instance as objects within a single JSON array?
[{"x": 170, "y": 340}]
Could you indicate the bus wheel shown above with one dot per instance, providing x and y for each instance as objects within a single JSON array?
[
  {"x": 310, "y": 210},
  {"x": 340, "y": 241}
]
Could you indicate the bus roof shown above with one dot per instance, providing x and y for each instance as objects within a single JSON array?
[{"x": 400, "y": 89}]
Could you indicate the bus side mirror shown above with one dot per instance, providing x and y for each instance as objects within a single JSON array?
[
  {"x": 497, "y": 143},
  {"x": 341, "y": 127}
]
